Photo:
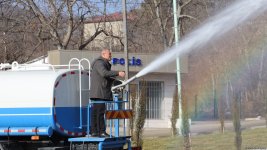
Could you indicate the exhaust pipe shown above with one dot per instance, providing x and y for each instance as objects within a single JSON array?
[{"x": 124, "y": 83}]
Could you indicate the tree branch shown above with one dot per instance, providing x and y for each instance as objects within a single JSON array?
[
  {"x": 113, "y": 36},
  {"x": 32, "y": 51},
  {"x": 67, "y": 37},
  {"x": 188, "y": 16},
  {"x": 82, "y": 46},
  {"x": 44, "y": 21},
  {"x": 186, "y": 3},
  {"x": 54, "y": 21}
]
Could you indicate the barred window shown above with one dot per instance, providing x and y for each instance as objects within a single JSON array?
[{"x": 153, "y": 94}]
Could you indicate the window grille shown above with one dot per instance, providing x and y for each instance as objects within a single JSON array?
[{"x": 153, "y": 94}]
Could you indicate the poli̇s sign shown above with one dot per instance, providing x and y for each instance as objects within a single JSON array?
[{"x": 132, "y": 62}]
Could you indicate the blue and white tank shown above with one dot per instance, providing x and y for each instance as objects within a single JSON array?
[{"x": 40, "y": 102}]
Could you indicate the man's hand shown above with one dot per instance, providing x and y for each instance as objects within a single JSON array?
[{"x": 121, "y": 73}]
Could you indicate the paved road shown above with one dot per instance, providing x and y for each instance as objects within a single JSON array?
[{"x": 204, "y": 127}]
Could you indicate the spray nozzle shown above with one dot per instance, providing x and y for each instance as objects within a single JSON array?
[{"x": 124, "y": 83}]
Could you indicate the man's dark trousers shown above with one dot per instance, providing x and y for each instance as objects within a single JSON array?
[{"x": 98, "y": 118}]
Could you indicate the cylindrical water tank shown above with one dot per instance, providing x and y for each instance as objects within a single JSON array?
[{"x": 41, "y": 101}]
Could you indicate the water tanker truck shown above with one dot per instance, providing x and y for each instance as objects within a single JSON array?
[{"x": 44, "y": 106}]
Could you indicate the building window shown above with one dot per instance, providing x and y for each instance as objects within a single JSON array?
[{"x": 153, "y": 96}]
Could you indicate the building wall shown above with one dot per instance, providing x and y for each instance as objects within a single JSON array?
[{"x": 169, "y": 80}]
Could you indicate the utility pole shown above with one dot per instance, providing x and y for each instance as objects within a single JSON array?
[
  {"x": 176, "y": 33},
  {"x": 125, "y": 38},
  {"x": 126, "y": 57}
]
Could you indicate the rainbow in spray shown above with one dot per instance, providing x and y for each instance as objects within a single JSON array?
[{"x": 238, "y": 67}]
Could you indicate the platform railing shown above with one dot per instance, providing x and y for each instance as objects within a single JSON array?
[{"x": 114, "y": 113}]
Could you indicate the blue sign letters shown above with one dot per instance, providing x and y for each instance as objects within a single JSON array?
[{"x": 132, "y": 62}]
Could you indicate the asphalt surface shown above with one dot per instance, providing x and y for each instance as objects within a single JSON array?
[{"x": 205, "y": 127}]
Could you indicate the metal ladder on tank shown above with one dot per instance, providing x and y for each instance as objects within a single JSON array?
[{"x": 80, "y": 67}]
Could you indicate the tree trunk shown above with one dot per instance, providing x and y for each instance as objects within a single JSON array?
[
  {"x": 185, "y": 123},
  {"x": 221, "y": 114},
  {"x": 175, "y": 112},
  {"x": 236, "y": 118}
]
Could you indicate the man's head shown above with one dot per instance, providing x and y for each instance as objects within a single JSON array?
[{"x": 105, "y": 53}]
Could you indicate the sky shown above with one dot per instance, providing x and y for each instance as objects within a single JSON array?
[{"x": 116, "y": 5}]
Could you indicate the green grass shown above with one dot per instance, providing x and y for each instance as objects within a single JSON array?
[{"x": 256, "y": 138}]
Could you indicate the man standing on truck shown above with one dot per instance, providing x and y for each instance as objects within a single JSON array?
[{"x": 101, "y": 82}]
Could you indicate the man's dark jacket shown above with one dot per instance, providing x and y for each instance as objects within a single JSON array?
[{"x": 100, "y": 79}]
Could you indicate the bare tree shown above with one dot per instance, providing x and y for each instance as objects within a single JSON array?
[
  {"x": 139, "y": 115},
  {"x": 64, "y": 20},
  {"x": 236, "y": 92},
  {"x": 159, "y": 13},
  {"x": 218, "y": 61},
  {"x": 19, "y": 37}
]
